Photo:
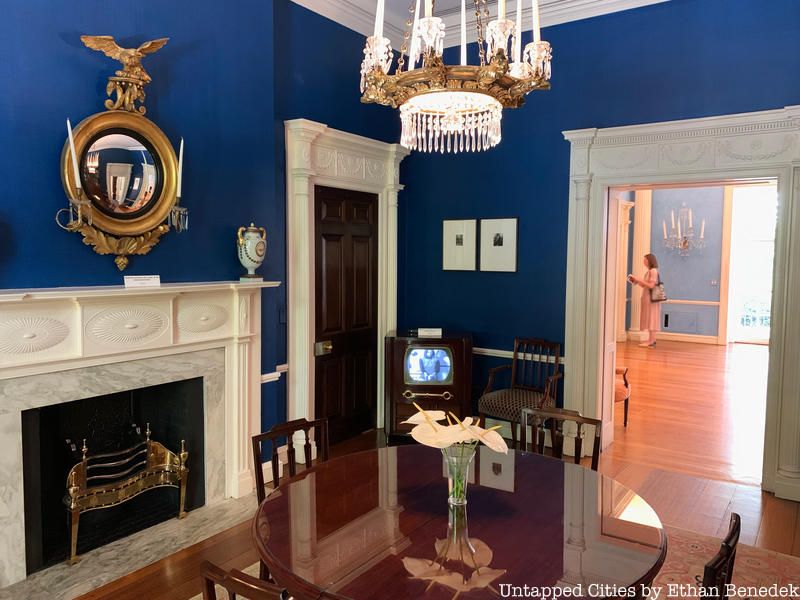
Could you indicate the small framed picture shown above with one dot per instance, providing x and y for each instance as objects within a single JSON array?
[
  {"x": 499, "y": 245},
  {"x": 459, "y": 239}
]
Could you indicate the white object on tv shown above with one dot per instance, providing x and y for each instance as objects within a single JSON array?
[{"x": 429, "y": 332}]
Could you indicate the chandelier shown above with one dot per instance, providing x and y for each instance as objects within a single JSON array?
[
  {"x": 454, "y": 108},
  {"x": 681, "y": 236}
]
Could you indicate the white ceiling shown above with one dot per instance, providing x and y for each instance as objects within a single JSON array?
[{"x": 359, "y": 15}]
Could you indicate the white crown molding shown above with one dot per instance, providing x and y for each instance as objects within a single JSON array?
[{"x": 359, "y": 15}]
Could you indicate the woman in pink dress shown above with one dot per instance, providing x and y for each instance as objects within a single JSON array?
[{"x": 650, "y": 319}]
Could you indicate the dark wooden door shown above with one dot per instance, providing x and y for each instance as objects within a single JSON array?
[{"x": 346, "y": 309}]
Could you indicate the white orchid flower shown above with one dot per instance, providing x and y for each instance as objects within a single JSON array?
[
  {"x": 440, "y": 436},
  {"x": 423, "y": 417},
  {"x": 490, "y": 438}
]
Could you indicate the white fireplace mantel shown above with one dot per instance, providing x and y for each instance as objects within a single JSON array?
[
  {"x": 64, "y": 344},
  {"x": 49, "y": 329}
]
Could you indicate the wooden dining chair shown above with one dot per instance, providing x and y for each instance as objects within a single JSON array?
[
  {"x": 274, "y": 436},
  {"x": 236, "y": 583},
  {"x": 535, "y": 371},
  {"x": 622, "y": 389},
  {"x": 553, "y": 419},
  {"x": 719, "y": 570}
]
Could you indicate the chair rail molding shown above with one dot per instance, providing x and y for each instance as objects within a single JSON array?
[
  {"x": 319, "y": 155},
  {"x": 749, "y": 146}
]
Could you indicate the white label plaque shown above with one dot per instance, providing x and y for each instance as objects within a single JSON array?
[{"x": 142, "y": 281}]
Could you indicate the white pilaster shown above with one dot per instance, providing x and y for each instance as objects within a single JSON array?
[
  {"x": 622, "y": 266},
  {"x": 642, "y": 222}
]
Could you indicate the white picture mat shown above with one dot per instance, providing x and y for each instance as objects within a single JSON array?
[
  {"x": 499, "y": 245},
  {"x": 457, "y": 257}
]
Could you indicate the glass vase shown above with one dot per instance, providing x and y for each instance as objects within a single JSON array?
[{"x": 458, "y": 458}]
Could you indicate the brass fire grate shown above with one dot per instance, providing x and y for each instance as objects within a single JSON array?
[{"x": 105, "y": 480}]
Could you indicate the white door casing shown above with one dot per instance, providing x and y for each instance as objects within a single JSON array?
[
  {"x": 623, "y": 237},
  {"x": 747, "y": 146},
  {"x": 643, "y": 201},
  {"x": 319, "y": 155}
]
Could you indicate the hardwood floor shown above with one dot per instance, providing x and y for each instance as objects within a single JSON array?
[
  {"x": 695, "y": 408},
  {"x": 692, "y": 449},
  {"x": 177, "y": 576}
]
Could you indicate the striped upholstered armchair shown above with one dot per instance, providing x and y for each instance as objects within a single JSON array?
[{"x": 535, "y": 371}]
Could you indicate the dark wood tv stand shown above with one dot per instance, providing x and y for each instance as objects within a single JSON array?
[{"x": 401, "y": 394}]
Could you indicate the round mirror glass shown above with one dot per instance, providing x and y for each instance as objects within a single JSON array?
[{"x": 121, "y": 173}]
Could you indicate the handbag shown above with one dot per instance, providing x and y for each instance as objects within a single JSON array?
[{"x": 657, "y": 293}]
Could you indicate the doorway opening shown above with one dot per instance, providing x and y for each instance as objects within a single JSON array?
[
  {"x": 696, "y": 363},
  {"x": 755, "y": 211}
]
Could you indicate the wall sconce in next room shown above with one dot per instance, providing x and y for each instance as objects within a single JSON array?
[{"x": 681, "y": 237}]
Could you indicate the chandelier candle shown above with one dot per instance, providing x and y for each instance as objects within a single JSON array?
[
  {"x": 412, "y": 63},
  {"x": 379, "y": 20},
  {"x": 454, "y": 108},
  {"x": 518, "y": 34},
  {"x": 463, "y": 32},
  {"x": 75, "y": 171},
  {"x": 537, "y": 34},
  {"x": 180, "y": 171}
]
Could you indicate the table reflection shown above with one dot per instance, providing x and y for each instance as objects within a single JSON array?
[{"x": 372, "y": 524}]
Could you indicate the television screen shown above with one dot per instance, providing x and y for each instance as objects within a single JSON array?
[{"x": 429, "y": 365}]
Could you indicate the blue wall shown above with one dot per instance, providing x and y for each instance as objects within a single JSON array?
[
  {"x": 225, "y": 82},
  {"x": 689, "y": 277},
  {"x": 212, "y": 84},
  {"x": 228, "y": 79},
  {"x": 676, "y": 60},
  {"x": 316, "y": 78}
]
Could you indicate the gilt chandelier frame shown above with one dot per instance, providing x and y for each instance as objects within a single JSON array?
[{"x": 453, "y": 108}]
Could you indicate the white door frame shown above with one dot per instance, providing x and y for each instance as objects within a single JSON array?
[
  {"x": 746, "y": 146},
  {"x": 624, "y": 224},
  {"x": 319, "y": 155}
]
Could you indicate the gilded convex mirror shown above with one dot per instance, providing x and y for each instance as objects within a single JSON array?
[{"x": 118, "y": 168}]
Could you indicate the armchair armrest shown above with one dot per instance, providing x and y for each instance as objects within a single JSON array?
[
  {"x": 624, "y": 372},
  {"x": 492, "y": 372},
  {"x": 549, "y": 387}
]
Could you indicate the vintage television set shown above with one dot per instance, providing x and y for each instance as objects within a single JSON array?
[{"x": 434, "y": 372}]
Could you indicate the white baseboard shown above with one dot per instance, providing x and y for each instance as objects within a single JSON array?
[
  {"x": 687, "y": 337},
  {"x": 637, "y": 336}
]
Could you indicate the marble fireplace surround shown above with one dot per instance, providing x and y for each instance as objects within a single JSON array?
[
  {"x": 36, "y": 391},
  {"x": 69, "y": 344}
]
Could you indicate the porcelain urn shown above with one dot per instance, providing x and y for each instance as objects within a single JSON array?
[{"x": 252, "y": 245}]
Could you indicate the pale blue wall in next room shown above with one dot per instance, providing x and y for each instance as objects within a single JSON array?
[{"x": 692, "y": 277}]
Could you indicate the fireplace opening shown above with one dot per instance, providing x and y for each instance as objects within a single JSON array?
[{"x": 174, "y": 412}]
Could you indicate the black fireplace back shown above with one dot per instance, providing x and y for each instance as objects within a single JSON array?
[{"x": 175, "y": 413}]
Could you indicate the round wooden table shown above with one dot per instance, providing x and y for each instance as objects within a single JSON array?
[{"x": 369, "y": 525}]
